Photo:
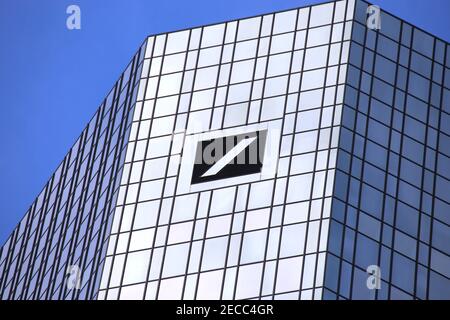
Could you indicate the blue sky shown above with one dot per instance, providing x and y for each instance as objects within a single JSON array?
[{"x": 52, "y": 80}]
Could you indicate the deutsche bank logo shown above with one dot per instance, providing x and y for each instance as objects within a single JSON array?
[{"x": 229, "y": 156}]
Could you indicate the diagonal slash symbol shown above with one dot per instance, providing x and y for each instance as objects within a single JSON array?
[{"x": 219, "y": 165}]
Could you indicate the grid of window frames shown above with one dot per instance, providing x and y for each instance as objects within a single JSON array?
[
  {"x": 393, "y": 174},
  {"x": 286, "y": 69},
  {"x": 69, "y": 222}
]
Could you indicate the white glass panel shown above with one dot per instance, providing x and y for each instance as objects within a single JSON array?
[
  {"x": 313, "y": 79},
  {"x": 174, "y": 63},
  {"x": 239, "y": 92},
  {"x": 147, "y": 110},
  {"x": 184, "y": 208},
  {"x": 289, "y": 274},
  {"x": 162, "y": 126},
  {"x": 116, "y": 273},
  {"x": 308, "y": 120},
  {"x": 155, "y": 67},
  {"x": 302, "y": 163},
  {"x": 238, "y": 222},
  {"x": 210, "y": 56},
  {"x": 279, "y": 64},
  {"x": 256, "y": 190},
  {"x": 263, "y": 49},
  {"x": 269, "y": 277},
  {"x": 245, "y": 50},
  {"x": 319, "y": 36},
  {"x": 321, "y": 15},
  {"x": 227, "y": 53},
  {"x": 316, "y": 209},
  {"x": 313, "y": 236},
  {"x": 309, "y": 270},
  {"x": 132, "y": 193},
  {"x": 218, "y": 226},
  {"x": 191, "y": 62},
  {"x": 142, "y": 239},
  {"x": 272, "y": 108},
  {"x": 156, "y": 264},
  {"x": 280, "y": 191},
  {"x": 310, "y": 99},
  {"x": 199, "y": 121},
  {"x": 276, "y": 86},
  {"x": 282, "y": 43},
  {"x": 202, "y": 99},
  {"x": 175, "y": 260},
  {"x": 171, "y": 289},
  {"x": 122, "y": 242},
  {"x": 106, "y": 272},
  {"x": 319, "y": 183},
  {"x": 337, "y": 32},
  {"x": 335, "y": 51},
  {"x": 214, "y": 253},
  {"x": 146, "y": 214},
  {"x": 210, "y": 285},
  {"x": 303, "y": 16},
  {"x": 231, "y": 32},
  {"x": 242, "y": 71},
  {"x": 296, "y": 212},
  {"x": 236, "y": 115},
  {"x": 135, "y": 292},
  {"x": 293, "y": 240},
  {"x": 158, "y": 147},
  {"x": 194, "y": 259},
  {"x": 144, "y": 129},
  {"x": 149, "y": 48},
  {"x": 285, "y": 21},
  {"x": 266, "y": 28},
  {"x": 249, "y": 281},
  {"x": 300, "y": 39},
  {"x": 137, "y": 267},
  {"x": 150, "y": 190},
  {"x": 339, "y": 11},
  {"x": 199, "y": 231},
  {"x": 177, "y": 41},
  {"x": 206, "y": 78},
  {"x": 297, "y": 62},
  {"x": 217, "y": 118},
  {"x": 316, "y": 57},
  {"x": 180, "y": 232},
  {"x": 248, "y": 28},
  {"x": 213, "y": 35},
  {"x": 190, "y": 287},
  {"x": 154, "y": 168},
  {"x": 257, "y": 219},
  {"x": 169, "y": 84},
  {"x": 194, "y": 41},
  {"x": 299, "y": 188},
  {"x": 159, "y": 45},
  {"x": 161, "y": 234},
  {"x": 127, "y": 217},
  {"x": 254, "y": 246},
  {"x": 222, "y": 201},
  {"x": 152, "y": 84}
]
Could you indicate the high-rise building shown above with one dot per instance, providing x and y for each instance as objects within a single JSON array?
[{"x": 302, "y": 154}]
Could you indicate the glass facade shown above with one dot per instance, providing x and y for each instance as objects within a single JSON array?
[
  {"x": 69, "y": 222},
  {"x": 391, "y": 201},
  {"x": 355, "y": 171}
]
